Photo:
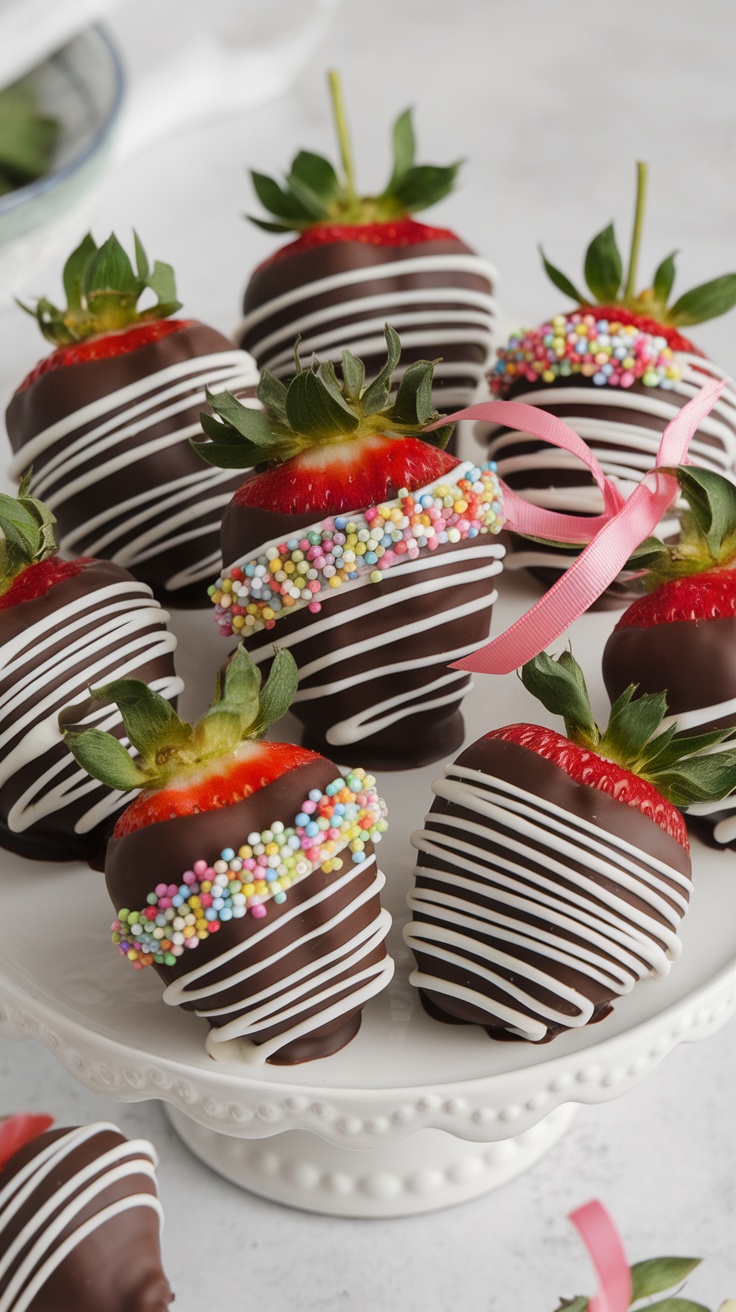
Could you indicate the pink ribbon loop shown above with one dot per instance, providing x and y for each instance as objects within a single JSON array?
[
  {"x": 611, "y": 537},
  {"x": 604, "y": 1244}
]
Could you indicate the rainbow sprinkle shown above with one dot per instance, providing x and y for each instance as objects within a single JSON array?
[
  {"x": 253, "y": 594},
  {"x": 178, "y": 917},
  {"x": 611, "y": 354}
]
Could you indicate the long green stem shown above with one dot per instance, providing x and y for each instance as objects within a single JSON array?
[
  {"x": 343, "y": 135},
  {"x": 641, "y": 194}
]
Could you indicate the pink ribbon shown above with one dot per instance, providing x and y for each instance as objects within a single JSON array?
[
  {"x": 611, "y": 537},
  {"x": 603, "y": 1242}
]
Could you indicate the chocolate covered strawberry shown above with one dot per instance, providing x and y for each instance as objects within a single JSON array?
[
  {"x": 681, "y": 635},
  {"x": 64, "y": 624},
  {"x": 617, "y": 369},
  {"x": 366, "y": 546},
  {"x": 80, "y": 1220},
  {"x": 105, "y": 421},
  {"x": 259, "y": 855},
  {"x": 359, "y": 260},
  {"x": 554, "y": 870}
]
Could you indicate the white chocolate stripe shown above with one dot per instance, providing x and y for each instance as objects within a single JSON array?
[
  {"x": 40, "y": 1237},
  {"x": 471, "y": 264},
  {"x": 618, "y": 937},
  {"x": 315, "y": 983},
  {"x": 131, "y": 626}
]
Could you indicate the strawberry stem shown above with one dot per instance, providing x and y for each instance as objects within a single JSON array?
[
  {"x": 343, "y": 134},
  {"x": 641, "y": 193}
]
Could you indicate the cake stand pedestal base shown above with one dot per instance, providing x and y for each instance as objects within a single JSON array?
[{"x": 425, "y": 1172}]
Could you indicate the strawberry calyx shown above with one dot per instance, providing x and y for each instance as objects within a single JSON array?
[
  {"x": 316, "y": 410},
  {"x": 16, "y": 1131},
  {"x": 195, "y": 759},
  {"x": 680, "y": 767},
  {"x": 314, "y": 196},
  {"x": 706, "y": 545},
  {"x": 609, "y": 286},
  {"x": 106, "y": 346},
  {"x": 26, "y": 540},
  {"x": 103, "y": 290},
  {"x": 389, "y": 233}
]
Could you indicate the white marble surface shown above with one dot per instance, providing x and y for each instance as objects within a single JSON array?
[{"x": 551, "y": 104}]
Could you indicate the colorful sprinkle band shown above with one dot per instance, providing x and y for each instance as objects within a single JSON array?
[
  {"x": 611, "y": 354},
  {"x": 176, "y": 917},
  {"x": 288, "y": 575}
]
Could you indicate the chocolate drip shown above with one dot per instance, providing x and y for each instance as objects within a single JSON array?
[
  {"x": 34, "y": 634},
  {"x": 112, "y": 511},
  {"x": 493, "y": 894},
  {"x": 163, "y": 851},
  {"x": 117, "y": 1265}
]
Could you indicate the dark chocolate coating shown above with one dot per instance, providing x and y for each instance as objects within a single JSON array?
[
  {"x": 52, "y": 837},
  {"x": 118, "y": 1266},
  {"x": 162, "y": 852},
  {"x": 346, "y": 324},
  {"x": 544, "y": 779},
  {"x": 413, "y": 740},
  {"x": 620, "y": 408},
  {"x": 694, "y": 662},
  {"x": 59, "y": 394}
]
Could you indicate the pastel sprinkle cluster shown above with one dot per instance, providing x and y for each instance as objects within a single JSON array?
[
  {"x": 612, "y": 354},
  {"x": 252, "y": 595},
  {"x": 347, "y": 816}
]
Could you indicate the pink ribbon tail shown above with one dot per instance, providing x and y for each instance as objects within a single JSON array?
[
  {"x": 611, "y": 536},
  {"x": 603, "y": 1242}
]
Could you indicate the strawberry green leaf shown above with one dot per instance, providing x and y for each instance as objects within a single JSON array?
[
  {"x": 560, "y": 686},
  {"x": 376, "y": 395},
  {"x": 697, "y": 779},
  {"x": 271, "y": 392},
  {"x": 353, "y": 374},
  {"x": 676, "y": 1305},
  {"x": 712, "y": 502},
  {"x": 647, "y": 555},
  {"x": 267, "y": 226},
  {"x": 404, "y": 149},
  {"x": 413, "y": 404},
  {"x": 438, "y": 437},
  {"x": 74, "y": 271},
  {"x": 239, "y": 690},
  {"x": 328, "y": 378},
  {"x": 27, "y": 533},
  {"x": 423, "y": 185},
  {"x": 313, "y": 410},
  {"x": 281, "y": 203},
  {"x": 659, "y": 1274},
  {"x": 110, "y": 270},
  {"x": 255, "y": 425},
  {"x": 579, "y": 1304},
  {"x": 315, "y": 206},
  {"x": 664, "y": 279},
  {"x": 278, "y": 692},
  {"x": 163, "y": 284},
  {"x": 560, "y": 280},
  {"x": 631, "y": 724},
  {"x": 141, "y": 259},
  {"x": 104, "y": 757},
  {"x": 666, "y": 749},
  {"x": 707, "y": 301},
  {"x": 228, "y": 451},
  {"x": 603, "y": 266},
  {"x": 315, "y": 173},
  {"x": 151, "y": 722}
]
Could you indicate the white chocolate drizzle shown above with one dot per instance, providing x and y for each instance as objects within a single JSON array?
[{"x": 541, "y": 844}]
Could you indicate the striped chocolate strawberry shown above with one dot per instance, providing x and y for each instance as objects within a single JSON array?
[
  {"x": 256, "y": 854},
  {"x": 105, "y": 421},
  {"x": 554, "y": 870},
  {"x": 369, "y": 547},
  {"x": 681, "y": 635},
  {"x": 359, "y": 260},
  {"x": 618, "y": 369},
  {"x": 80, "y": 1221},
  {"x": 62, "y": 624}
]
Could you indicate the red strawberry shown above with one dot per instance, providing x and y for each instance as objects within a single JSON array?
[
  {"x": 351, "y": 491},
  {"x": 16, "y": 1131},
  {"x": 104, "y": 421},
  {"x": 359, "y": 260},
  {"x": 617, "y": 369},
  {"x": 80, "y": 1224},
  {"x": 554, "y": 871},
  {"x": 230, "y": 832},
  {"x": 682, "y": 634},
  {"x": 62, "y": 623}
]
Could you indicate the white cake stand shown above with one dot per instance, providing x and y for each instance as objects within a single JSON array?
[{"x": 413, "y": 1115}]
